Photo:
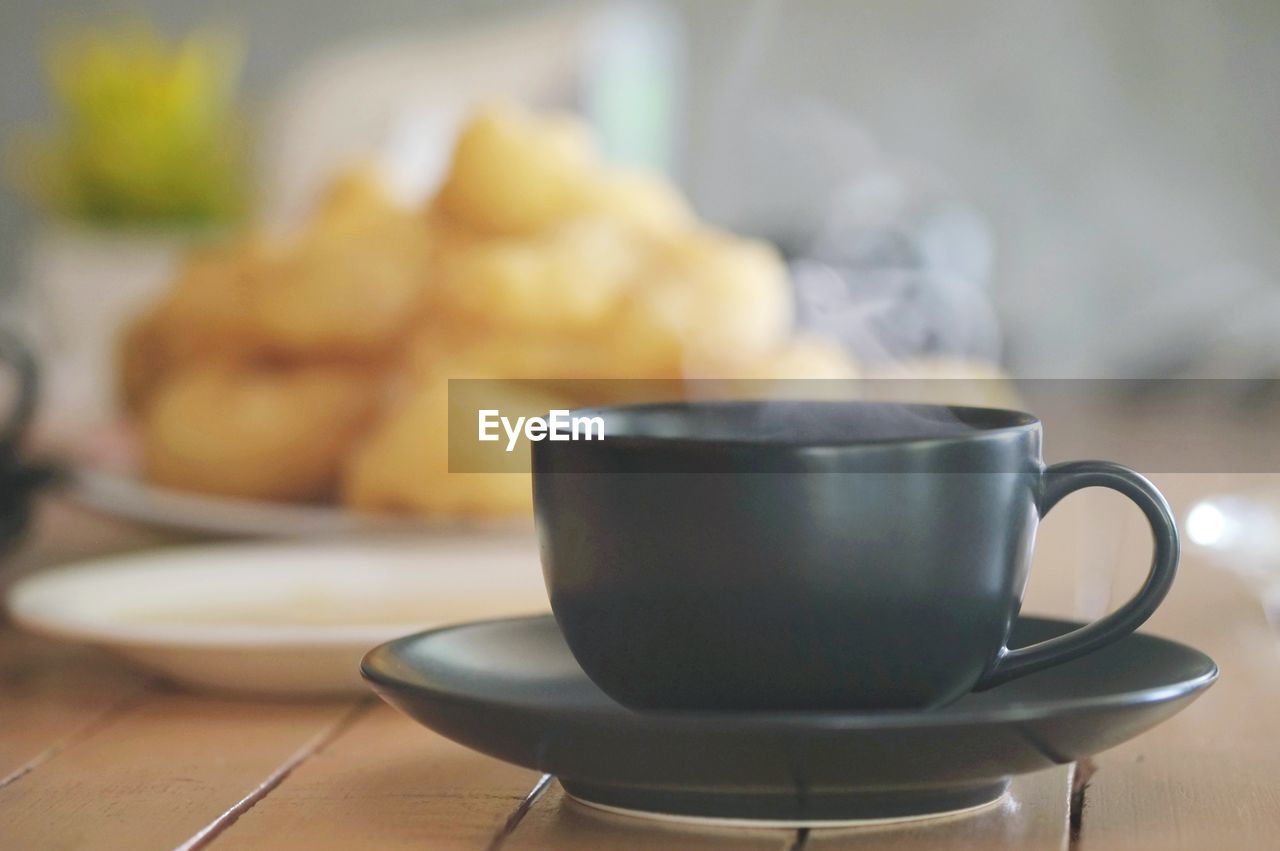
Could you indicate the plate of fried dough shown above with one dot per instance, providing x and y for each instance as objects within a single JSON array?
[{"x": 299, "y": 382}]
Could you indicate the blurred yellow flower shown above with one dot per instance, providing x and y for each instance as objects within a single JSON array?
[{"x": 145, "y": 129}]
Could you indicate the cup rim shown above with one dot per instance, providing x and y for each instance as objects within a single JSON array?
[{"x": 1018, "y": 422}]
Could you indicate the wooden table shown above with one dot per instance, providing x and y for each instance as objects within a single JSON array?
[{"x": 94, "y": 754}]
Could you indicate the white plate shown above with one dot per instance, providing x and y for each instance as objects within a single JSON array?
[
  {"x": 277, "y": 619},
  {"x": 128, "y": 497}
]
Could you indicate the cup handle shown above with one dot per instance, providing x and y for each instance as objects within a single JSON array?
[
  {"x": 19, "y": 359},
  {"x": 1058, "y": 481}
]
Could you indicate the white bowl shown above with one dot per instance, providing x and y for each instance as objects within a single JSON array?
[{"x": 278, "y": 619}]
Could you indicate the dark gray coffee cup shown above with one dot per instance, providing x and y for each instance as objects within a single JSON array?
[
  {"x": 811, "y": 555},
  {"x": 20, "y": 480}
]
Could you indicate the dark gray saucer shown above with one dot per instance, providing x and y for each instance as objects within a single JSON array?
[{"x": 511, "y": 689}]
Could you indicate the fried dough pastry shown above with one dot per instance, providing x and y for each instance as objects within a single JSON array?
[
  {"x": 404, "y": 464},
  {"x": 564, "y": 280},
  {"x": 646, "y": 202},
  {"x": 804, "y": 368},
  {"x": 259, "y": 433},
  {"x": 515, "y": 173},
  {"x": 708, "y": 297},
  {"x": 352, "y": 297},
  {"x": 581, "y": 370},
  {"x": 204, "y": 318},
  {"x": 594, "y": 300},
  {"x": 317, "y": 366},
  {"x": 352, "y": 282},
  {"x": 460, "y": 351},
  {"x": 805, "y": 357},
  {"x": 357, "y": 196}
]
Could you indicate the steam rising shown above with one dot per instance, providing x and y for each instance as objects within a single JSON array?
[{"x": 884, "y": 258}]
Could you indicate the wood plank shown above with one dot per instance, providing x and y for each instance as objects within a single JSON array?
[
  {"x": 161, "y": 772},
  {"x": 385, "y": 783},
  {"x": 52, "y": 694},
  {"x": 1209, "y": 777}
]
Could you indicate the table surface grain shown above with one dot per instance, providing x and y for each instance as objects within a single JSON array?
[{"x": 95, "y": 754}]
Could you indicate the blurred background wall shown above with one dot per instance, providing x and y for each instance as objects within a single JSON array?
[{"x": 1123, "y": 154}]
